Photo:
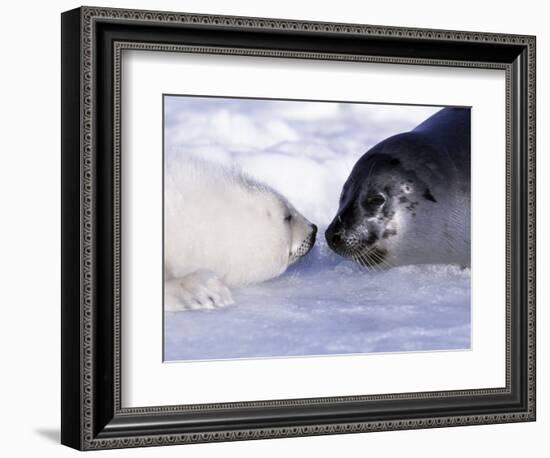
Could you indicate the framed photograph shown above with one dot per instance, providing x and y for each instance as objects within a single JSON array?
[{"x": 276, "y": 228}]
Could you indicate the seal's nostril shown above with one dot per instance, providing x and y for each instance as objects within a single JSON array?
[
  {"x": 333, "y": 238},
  {"x": 314, "y": 229}
]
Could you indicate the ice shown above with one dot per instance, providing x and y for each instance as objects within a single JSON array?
[{"x": 322, "y": 304}]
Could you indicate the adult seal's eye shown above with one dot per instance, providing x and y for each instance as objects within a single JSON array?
[
  {"x": 375, "y": 200},
  {"x": 288, "y": 218}
]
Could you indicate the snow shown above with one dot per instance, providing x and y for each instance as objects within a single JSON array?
[{"x": 323, "y": 304}]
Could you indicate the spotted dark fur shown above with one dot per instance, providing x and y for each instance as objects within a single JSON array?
[
  {"x": 389, "y": 233},
  {"x": 428, "y": 195},
  {"x": 372, "y": 238},
  {"x": 411, "y": 206}
]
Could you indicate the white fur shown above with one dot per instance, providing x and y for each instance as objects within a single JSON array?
[{"x": 223, "y": 229}]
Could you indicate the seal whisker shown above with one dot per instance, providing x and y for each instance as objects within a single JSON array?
[
  {"x": 355, "y": 259},
  {"x": 376, "y": 264},
  {"x": 389, "y": 264},
  {"x": 378, "y": 257},
  {"x": 365, "y": 257},
  {"x": 359, "y": 261},
  {"x": 367, "y": 261}
]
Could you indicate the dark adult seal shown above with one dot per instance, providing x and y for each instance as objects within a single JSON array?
[{"x": 407, "y": 199}]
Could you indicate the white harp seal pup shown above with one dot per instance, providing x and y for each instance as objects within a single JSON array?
[{"x": 224, "y": 229}]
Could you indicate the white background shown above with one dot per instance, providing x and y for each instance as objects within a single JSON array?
[{"x": 29, "y": 251}]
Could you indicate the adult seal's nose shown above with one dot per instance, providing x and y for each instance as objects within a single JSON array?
[
  {"x": 313, "y": 230},
  {"x": 333, "y": 238},
  {"x": 336, "y": 238}
]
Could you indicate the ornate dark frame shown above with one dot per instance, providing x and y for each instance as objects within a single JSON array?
[{"x": 92, "y": 42}]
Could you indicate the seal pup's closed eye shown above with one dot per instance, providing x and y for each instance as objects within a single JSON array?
[
  {"x": 224, "y": 229},
  {"x": 407, "y": 200}
]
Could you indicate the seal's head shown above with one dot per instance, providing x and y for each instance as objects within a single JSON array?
[
  {"x": 259, "y": 232},
  {"x": 220, "y": 219},
  {"x": 383, "y": 203},
  {"x": 282, "y": 225}
]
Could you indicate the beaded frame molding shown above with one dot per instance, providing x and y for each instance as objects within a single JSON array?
[{"x": 92, "y": 42}]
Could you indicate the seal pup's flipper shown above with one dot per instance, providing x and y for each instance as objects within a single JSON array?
[{"x": 202, "y": 289}]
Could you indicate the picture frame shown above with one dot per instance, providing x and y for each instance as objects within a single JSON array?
[{"x": 93, "y": 416}]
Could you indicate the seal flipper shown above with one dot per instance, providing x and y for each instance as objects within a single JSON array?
[{"x": 202, "y": 289}]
